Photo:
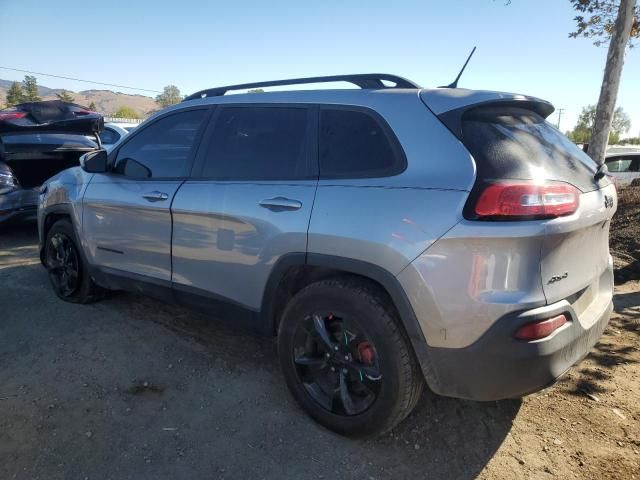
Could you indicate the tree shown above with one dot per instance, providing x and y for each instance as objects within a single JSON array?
[
  {"x": 65, "y": 96},
  {"x": 15, "y": 94},
  {"x": 126, "y": 112},
  {"x": 170, "y": 96},
  {"x": 598, "y": 18},
  {"x": 601, "y": 25},
  {"x": 30, "y": 87},
  {"x": 583, "y": 130},
  {"x": 92, "y": 107}
]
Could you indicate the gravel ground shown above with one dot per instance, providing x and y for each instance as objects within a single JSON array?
[{"x": 129, "y": 388}]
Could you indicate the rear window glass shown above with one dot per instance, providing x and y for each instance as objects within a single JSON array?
[
  {"x": 515, "y": 143},
  {"x": 354, "y": 144}
]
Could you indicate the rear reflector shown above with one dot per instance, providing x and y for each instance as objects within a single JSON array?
[
  {"x": 541, "y": 329},
  {"x": 527, "y": 200}
]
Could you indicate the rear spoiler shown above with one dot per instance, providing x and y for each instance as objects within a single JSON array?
[
  {"x": 52, "y": 116},
  {"x": 450, "y": 105}
]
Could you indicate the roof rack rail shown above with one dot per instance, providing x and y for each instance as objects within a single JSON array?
[{"x": 362, "y": 80}]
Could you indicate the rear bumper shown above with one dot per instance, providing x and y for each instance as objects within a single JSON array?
[
  {"x": 21, "y": 203},
  {"x": 497, "y": 366}
]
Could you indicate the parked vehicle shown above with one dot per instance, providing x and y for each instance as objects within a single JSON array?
[
  {"x": 113, "y": 132},
  {"x": 386, "y": 235},
  {"x": 38, "y": 140},
  {"x": 624, "y": 166}
]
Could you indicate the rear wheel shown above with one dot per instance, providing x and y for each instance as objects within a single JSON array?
[
  {"x": 346, "y": 359},
  {"x": 68, "y": 273}
]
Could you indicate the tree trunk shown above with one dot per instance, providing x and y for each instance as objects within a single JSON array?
[{"x": 611, "y": 80}]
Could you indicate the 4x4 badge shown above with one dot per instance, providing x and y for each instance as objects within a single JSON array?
[
  {"x": 608, "y": 201},
  {"x": 557, "y": 278}
]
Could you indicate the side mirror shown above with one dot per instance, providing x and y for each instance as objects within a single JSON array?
[{"x": 94, "y": 162}]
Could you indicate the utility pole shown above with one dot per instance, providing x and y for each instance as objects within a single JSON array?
[
  {"x": 611, "y": 80},
  {"x": 560, "y": 111}
]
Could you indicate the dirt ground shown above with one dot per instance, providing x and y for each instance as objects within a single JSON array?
[
  {"x": 625, "y": 235},
  {"x": 129, "y": 388}
]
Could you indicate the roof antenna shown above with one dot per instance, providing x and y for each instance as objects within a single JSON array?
[{"x": 454, "y": 84}]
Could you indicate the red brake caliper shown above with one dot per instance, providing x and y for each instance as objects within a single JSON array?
[{"x": 366, "y": 353}]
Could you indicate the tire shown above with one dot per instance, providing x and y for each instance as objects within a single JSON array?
[
  {"x": 356, "y": 311},
  {"x": 62, "y": 256}
]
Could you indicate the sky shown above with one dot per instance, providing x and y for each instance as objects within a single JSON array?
[{"x": 523, "y": 47}]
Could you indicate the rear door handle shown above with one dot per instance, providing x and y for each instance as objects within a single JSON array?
[
  {"x": 155, "y": 196},
  {"x": 280, "y": 204}
]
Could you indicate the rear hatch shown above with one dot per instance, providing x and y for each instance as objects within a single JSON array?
[
  {"x": 40, "y": 139},
  {"x": 52, "y": 116},
  {"x": 513, "y": 145}
]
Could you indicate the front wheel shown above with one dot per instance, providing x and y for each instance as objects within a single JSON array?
[
  {"x": 347, "y": 359},
  {"x": 68, "y": 273}
]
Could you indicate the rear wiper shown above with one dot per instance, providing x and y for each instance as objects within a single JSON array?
[{"x": 601, "y": 172}]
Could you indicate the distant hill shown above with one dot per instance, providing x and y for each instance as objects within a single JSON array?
[{"x": 106, "y": 101}]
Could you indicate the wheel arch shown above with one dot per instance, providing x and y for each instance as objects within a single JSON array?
[
  {"x": 293, "y": 272},
  {"x": 50, "y": 216}
]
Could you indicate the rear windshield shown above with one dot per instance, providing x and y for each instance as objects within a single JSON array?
[{"x": 515, "y": 143}]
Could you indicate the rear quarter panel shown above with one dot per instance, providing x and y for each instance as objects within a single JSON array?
[{"x": 389, "y": 221}]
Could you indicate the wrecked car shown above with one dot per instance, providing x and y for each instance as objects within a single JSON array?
[{"x": 38, "y": 140}]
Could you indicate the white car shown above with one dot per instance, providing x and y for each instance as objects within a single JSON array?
[
  {"x": 624, "y": 166},
  {"x": 114, "y": 132}
]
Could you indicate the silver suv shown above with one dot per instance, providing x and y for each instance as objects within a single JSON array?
[{"x": 386, "y": 235}]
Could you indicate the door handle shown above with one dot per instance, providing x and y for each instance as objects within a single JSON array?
[
  {"x": 280, "y": 204},
  {"x": 155, "y": 196}
]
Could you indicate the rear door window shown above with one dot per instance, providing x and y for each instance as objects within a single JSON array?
[
  {"x": 260, "y": 143},
  {"x": 516, "y": 143},
  {"x": 357, "y": 144},
  {"x": 162, "y": 149}
]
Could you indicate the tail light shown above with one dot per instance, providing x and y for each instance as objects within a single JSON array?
[
  {"x": 12, "y": 115},
  {"x": 540, "y": 329},
  {"x": 527, "y": 200}
]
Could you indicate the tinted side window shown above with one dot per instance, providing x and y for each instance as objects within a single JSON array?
[
  {"x": 162, "y": 149},
  {"x": 355, "y": 144},
  {"x": 259, "y": 143}
]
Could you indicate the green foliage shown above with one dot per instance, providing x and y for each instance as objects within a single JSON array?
[
  {"x": 92, "y": 107},
  {"x": 65, "y": 96},
  {"x": 125, "y": 112},
  {"x": 581, "y": 133},
  {"x": 170, "y": 96},
  {"x": 597, "y": 18},
  {"x": 30, "y": 88},
  {"x": 15, "y": 95},
  {"x": 631, "y": 141}
]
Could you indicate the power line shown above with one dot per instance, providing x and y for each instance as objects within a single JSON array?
[{"x": 80, "y": 80}]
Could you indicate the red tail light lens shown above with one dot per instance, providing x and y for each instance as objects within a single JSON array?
[
  {"x": 541, "y": 329},
  {"x": 527, "y": 200},
  {"x": 12, "y": 115}
]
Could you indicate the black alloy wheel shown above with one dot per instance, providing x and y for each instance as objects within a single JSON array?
[
  {"x": 63, "y": 264},
  {"x": 336, "y": 363}
]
